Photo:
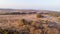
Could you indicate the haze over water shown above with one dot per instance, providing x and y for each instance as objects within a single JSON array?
[{"x": 31, "y": 4}]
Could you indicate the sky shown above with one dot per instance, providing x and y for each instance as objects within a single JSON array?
[{"x": 31, "y": 4}]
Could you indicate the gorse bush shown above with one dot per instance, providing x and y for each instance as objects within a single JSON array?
[
  {"x": 25, "y": 21},
  {"x": 39, "y": 15}
]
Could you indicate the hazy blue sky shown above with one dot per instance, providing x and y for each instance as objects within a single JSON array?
[{"x": 31, "y": 4}]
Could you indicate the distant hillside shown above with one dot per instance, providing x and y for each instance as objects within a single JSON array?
[{"x": 17, "y": 11}]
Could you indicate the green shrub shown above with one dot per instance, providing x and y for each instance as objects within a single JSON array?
[{"x": 39, "y": 16}]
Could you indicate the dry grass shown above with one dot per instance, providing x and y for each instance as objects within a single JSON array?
[{"x": 28, "y": 24}]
